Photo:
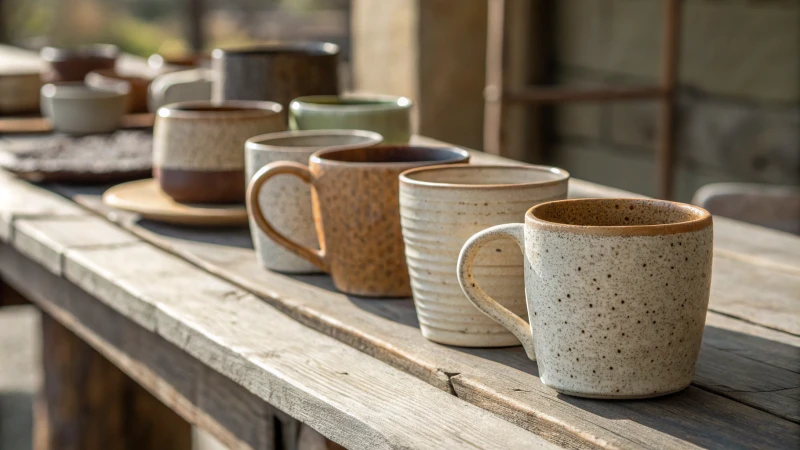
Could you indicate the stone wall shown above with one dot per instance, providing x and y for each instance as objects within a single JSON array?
[{"x": 739, "y": 100}]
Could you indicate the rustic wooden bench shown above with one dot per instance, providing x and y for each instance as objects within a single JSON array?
[{"x": 191, "y": 317}]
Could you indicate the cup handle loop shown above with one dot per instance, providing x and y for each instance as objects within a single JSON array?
[
  {"x": 479, "y": 297},
  {"x": 316, "y": 257}
]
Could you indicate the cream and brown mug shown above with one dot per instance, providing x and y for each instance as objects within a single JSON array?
[
  {"x": 617, "y": 292},
  {"x": 198, "y": 147}
]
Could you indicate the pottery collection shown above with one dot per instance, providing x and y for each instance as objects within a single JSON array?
[
  {"x": 608, "y": 296},
  {"x": 356, "y": 210},
  {"x": 617, "y": 293},
  {"x": 443, "y": 206},
  {"x": 287, "y": 199},
  {"x": 198, "y": 154},
  {"x": 275, "y": 71},
  {"x": 387, "y": 115}
]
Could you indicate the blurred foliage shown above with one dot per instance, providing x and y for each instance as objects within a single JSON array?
[{"x": 144, "y": 27}]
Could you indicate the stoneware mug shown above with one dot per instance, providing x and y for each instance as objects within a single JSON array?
[
  {"x": 287, "y": 199},
  {"x": 276, "y": 71},
  {"x": 617, "y": 290},
  {"x": 384, "y": 114},
  {"x": 356, "y": 211},
  {"x": 440, "y": 208},
  {"x": 198, "y": 147}
]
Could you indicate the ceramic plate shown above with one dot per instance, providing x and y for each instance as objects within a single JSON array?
[{"x": 146, "y": 198}]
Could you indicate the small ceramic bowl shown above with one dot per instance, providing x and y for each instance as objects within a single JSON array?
[
  {"x": 384, "y": 114},
  {"x": 73, "y": 64},
  {"x": 75, "y": 108},
  {"x": 109, "y": 79}
]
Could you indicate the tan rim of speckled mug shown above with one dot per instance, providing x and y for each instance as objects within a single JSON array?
[
  {"x": 694, "y": 218},
  {"x": 231, "y": 109}
]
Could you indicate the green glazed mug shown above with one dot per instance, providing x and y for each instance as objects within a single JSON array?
[{"x": 386, "y": 115}]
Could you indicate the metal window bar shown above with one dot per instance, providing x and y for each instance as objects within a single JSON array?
[{"x": 497, "y": 95}]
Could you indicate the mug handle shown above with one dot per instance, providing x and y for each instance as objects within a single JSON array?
[
  {"x": 479, "y": 297},
  {"x": 314, "y": 256}
]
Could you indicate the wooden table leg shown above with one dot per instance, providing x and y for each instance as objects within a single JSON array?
[
  {"x": 87, "y": 403},
  {"x": 10, "y": 297}
]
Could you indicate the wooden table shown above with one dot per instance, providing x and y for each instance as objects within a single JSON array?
[{"x": 190, "y": 316}]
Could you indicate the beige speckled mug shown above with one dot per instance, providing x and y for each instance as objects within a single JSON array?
[
  {"x": 440, "y": 208},
  {"x": 617, "y": 293},
  {"x": 287, "y": 199}
]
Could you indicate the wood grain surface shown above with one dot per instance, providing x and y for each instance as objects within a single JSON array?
[
  {"x": 503, "y": 380},
  {"x": 744, "y": 394},
  {"x": 349, "y": 397}
]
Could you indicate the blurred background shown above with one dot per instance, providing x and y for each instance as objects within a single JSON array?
[
  {"x": 736, "y": 92},
  {"x": 737, "y": 112}
]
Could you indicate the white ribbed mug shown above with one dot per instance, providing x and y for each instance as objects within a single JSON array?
[{"x": 440, "y": 208}]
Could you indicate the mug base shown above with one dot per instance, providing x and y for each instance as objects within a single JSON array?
[
  {"x": 600, "y": 396},
  {"x": 469, "y": 340}
]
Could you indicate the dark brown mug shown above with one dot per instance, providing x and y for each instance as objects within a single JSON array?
[
  {"x": 356, "y": 212},
  {"x": 73, "y": 64},
  {"x": 198, "y": 147},
  {"x": 275, "y": 71}
]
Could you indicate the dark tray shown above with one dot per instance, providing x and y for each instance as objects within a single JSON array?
[{"x": 119, "y": 156}]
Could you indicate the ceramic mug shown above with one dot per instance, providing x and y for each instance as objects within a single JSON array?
[
  {"x": 356, "y": 211},
  {"x": 288, "y": 199},
  {"x": 75, "y": 108},
  {"x": 198, "y": 154},
  {"x": 73, "y": 64},
  {"x": 181, "y": 86},
  {"x": 109, "y": 78},
  {"x": 440, "y": 208},
  {"x": 617, "y": 290},
  {"x": 384, "y": 114},
  {"x": 276, "y": 71}
]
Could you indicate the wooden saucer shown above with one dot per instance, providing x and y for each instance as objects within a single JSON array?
[
  {"x": 23, "y": 125},
  {"x": 146, "y": 198}
]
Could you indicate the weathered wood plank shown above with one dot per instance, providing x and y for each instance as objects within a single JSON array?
[
  {"x": 21, "y": 199},
  {"x": 44, "y": 239},
  {"x": 756, "y": 293},
  {"x": 88, "y": 403},
  {"x": 181, "y": 382},
  {"x": 387, "y": 330},
  {"x": 329, "y": 385}
]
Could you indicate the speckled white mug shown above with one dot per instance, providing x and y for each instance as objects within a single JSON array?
[
  {"x": 288, "y": 199},
  {"x": 617, "y": 290}
]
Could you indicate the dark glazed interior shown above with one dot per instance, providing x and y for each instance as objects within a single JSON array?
[
  {"x": 388, "y": 154},
  {"x": 616, "y": 212},
  {"x": 292, "y": 48}
]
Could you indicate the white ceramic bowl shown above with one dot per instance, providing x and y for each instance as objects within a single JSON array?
[{"x": 75, "y": 108}]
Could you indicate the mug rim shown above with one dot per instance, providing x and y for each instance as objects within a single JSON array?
[
  {"x": 382, "y": 103},
  {"x": 563, "y": 176},
  {"x": 700, "y": 219},
  {"x": 311, "y": 48},
  {"x": 259, "y": 143},
  {"x": 457, "y": 154},
  {"x": 239, "y": 109},
  {"x": 51, "y": 90},
  {"x": 52, "y": 53}
]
